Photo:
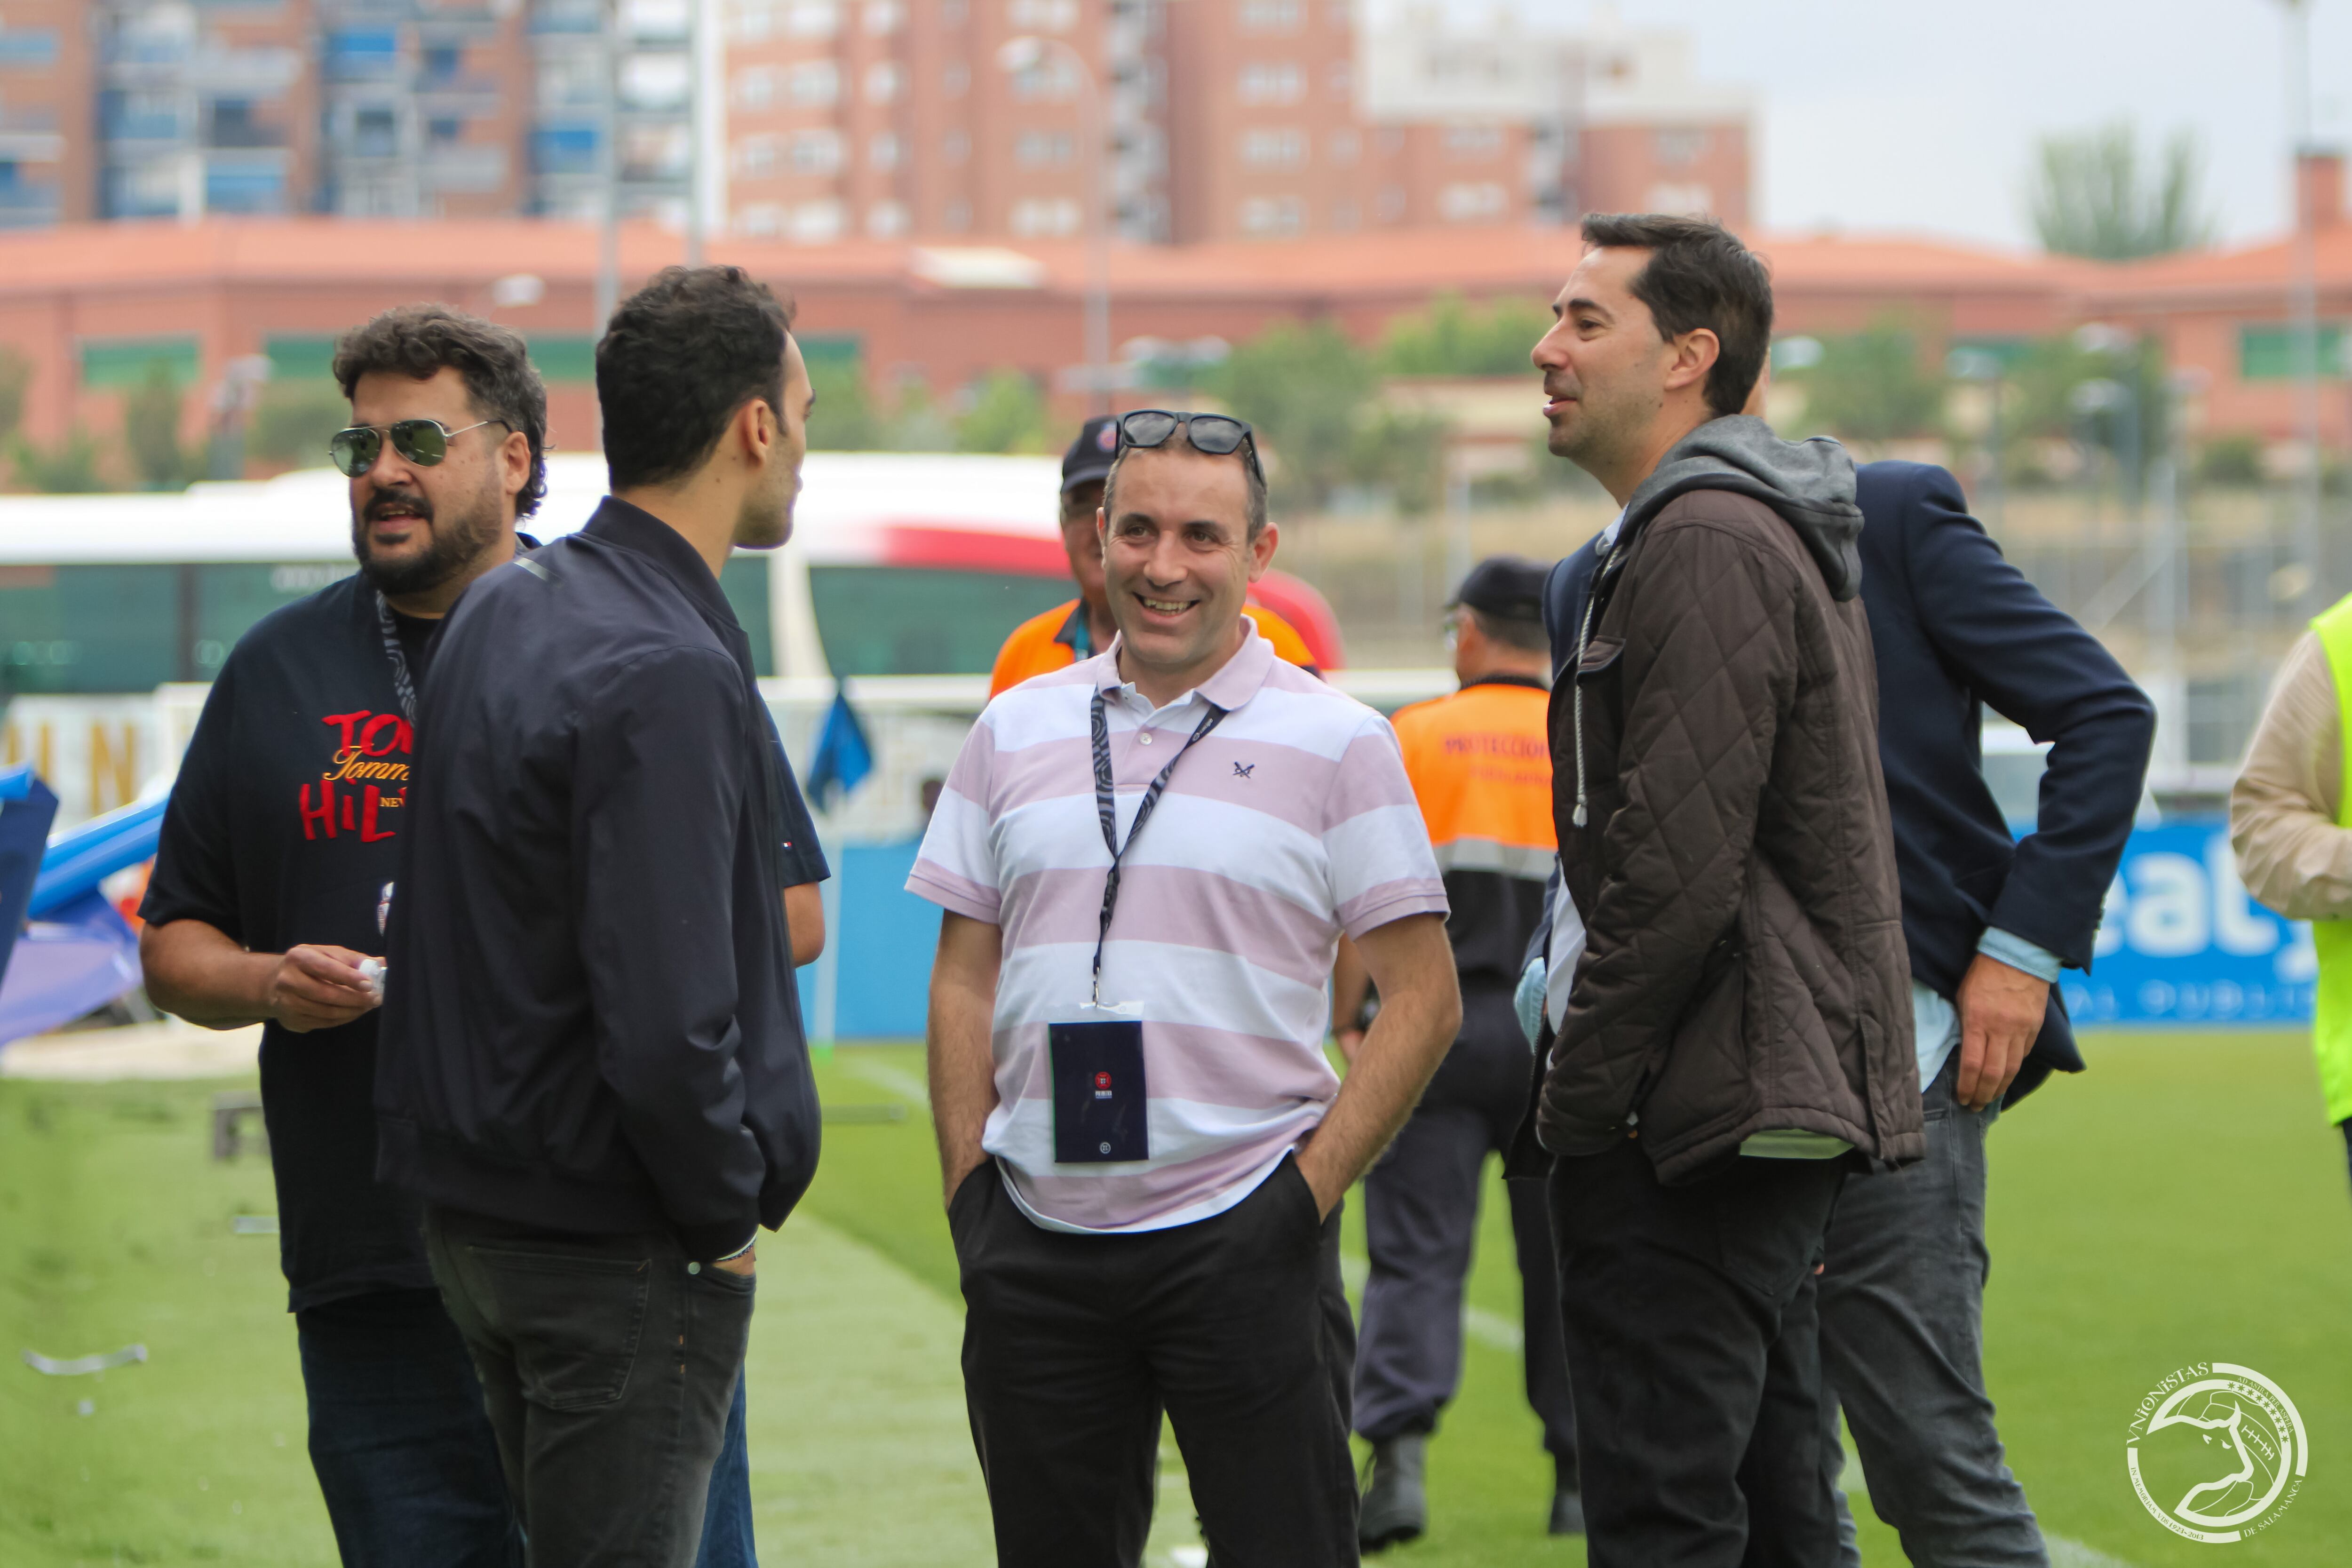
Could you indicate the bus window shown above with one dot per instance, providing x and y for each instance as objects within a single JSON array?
[
  {"x": 744, "y": 581},
  {"x": 897, "y": 620},
  {"x": 231, "y": 597},
  {"x": 73, "y": 630}
]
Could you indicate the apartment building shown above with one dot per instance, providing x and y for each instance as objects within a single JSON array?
[{"x": 143, "y": 109}]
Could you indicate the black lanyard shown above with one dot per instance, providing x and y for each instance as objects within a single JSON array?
[
  {"x": 404, "y": 689},
  {"x": 1106, "y": 808}
]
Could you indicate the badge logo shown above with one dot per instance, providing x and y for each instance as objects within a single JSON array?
[{"x": 2216, "y": 1452}]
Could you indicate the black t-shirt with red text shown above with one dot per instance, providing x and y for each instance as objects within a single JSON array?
[{"x": 284, "y": 828}]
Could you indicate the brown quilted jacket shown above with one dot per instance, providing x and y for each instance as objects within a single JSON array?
[{"x": 1744, "y": 967}]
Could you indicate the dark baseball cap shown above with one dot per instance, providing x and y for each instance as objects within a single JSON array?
[
  {"x": 1508, "y": 587},
  {"x": 1088, "y": 459}
]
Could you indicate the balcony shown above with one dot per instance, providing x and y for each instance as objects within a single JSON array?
[
  {"x": 464, "y": 170},
  {"x": 27, "y": 203}
]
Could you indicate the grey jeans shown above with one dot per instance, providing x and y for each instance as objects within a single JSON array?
[
  {"x": 1903, "y": 1351},
  {"x": 607, "y": 1364}
]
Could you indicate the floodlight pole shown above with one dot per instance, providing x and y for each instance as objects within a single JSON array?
[
  {"x": 2302, "y": 302},
  {"x": 608, "y": 169}
]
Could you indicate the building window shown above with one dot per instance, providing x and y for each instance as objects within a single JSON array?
[
  {"x": 1264, "y": 82},
  {"x": 1683, "y": 198},
  {"x": 657, "y": 82},
  {"x": 1345, "y": 146},
  {"x": 816, "y": 84},
  {"x": 2268, "y": 353},
  {"x": 751, "y": 22},
  {"x": 1042, "y": 218},
  {"x": 882, "y": 152},
  {"x": 1342, "y": 78},
  {"x": 957, "y": 218},
  {"x": 1042, "y": 149},
  {"x": 812, "y": 19},
  {"x": 375, "y": 133},
  {"x": 444, "y": 130},
  {"x": 815, "y": 152},
  {"x": 816, "y": 223},
  {"x": 1043, "y": 15},
  {"x": 755, "y": 87},
  {"x": 1484, "y": 202},
  {"x": 764, "y": 219},
  {"x": 881, "y": 82},
  {"x": 1051, "y": 80},
  {"x": 1271, "y": 15},
  {"x": 956, "y": 148},
  {"x": 112, "y": 362},
  {"x": 1472, "y": 140},
  {"x": 1273, "y": 215},
  {"x": 1680, "y": 148},
  {"x": 1273, "y": 149},
  {"x": 883, "y": 16},
  {"x": 755, "y": 157},
  {"x": 956, "y": 80},
  {"x": 887, "y": 220},
  {"x": 29, "y": 48}
]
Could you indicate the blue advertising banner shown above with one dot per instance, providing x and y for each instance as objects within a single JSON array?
[{"x": 2183, "y": 944}]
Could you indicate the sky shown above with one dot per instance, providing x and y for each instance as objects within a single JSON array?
[{"x": 1922, "y": 115}]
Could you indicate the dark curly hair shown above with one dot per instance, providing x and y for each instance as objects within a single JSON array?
[
  {"x": 1699, "y": 275},
  {"x": 678, "y": 358},
  {"x": 500, "y": 383}
]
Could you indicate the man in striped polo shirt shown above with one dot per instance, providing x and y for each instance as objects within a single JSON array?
[{"x": 1146, "y": 862}]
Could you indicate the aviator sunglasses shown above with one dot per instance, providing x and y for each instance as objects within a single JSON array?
[
  {"x": 423, "y": 442},
  {"x": 1216, "y": 434}
]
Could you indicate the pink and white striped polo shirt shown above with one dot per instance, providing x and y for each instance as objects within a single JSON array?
[{"x": 1290, "y": 822}]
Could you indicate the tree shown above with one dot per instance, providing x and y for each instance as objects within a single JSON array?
[
  {"x": 2090, "y": 199},
  {"x": 16, "y": 375},
  {"x": 70, "y": 468},
  {"x": 1007, "y": 415},
  {"x": 1305, "y": 388},
  {"x": 1871, "y": 388},
  {"x": 150, "y": 428},
  {"x": 1453, "y": 338},
  {"x": 1402, "y": 451},
  {"x": 843, "y": 418},
  {"x": 293, "y": 421}
]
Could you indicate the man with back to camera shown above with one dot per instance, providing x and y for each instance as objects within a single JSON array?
[
  {"x": 1482, "y": 773},
  {"x": 283, "y": 831},
  {"x": 1737, "y": 1035},
  {"x": 1955, "y": 628},
  {"x": 592, "y": 1069},
  {"x": 1073, "y": 633},
  {"x": 1146, "y": 862}
]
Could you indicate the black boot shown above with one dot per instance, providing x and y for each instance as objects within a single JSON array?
[{"x": 1396, "y": 1505}]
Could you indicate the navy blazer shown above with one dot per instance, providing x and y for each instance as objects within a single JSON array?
[{"x": 1955, "y": 628}]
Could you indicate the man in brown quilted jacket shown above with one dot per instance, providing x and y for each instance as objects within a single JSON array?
[{"x": 1737, "y": 1037}]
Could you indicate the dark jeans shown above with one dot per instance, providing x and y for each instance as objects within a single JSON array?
[
  {"x": 1236, "y": 1326},
  {"x": 1903, "y": 1350},
  {"x": 1421, "y": 1217},
  {"x": 607, "y": 1368},
  {"x": 1693, "y": 1348},
  {"x": 727, "y": 1515},
  {"x": 404, "y": 1457}
]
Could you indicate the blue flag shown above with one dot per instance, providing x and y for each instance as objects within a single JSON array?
[{"x": 843, "y": 756}]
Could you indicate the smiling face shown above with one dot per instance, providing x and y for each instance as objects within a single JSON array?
[
  {"x": 416, "y": 529},
  {"x": 1178, "y": 561}
]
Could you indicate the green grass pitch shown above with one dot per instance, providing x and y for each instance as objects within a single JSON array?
[{"x": 2182, "y": 1202}]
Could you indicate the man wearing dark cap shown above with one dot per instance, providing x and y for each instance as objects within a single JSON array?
[
  {"x": 1481, "y": 769},
  {"x": 1081, "y": 628}
]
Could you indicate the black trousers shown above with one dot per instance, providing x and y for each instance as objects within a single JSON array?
[
  {"x": 1694, "y": 1348},
  {"x": 607, "y": 1368},
  {"x": 1421, "y": 1217},
  {"x": 1236, "y": 1326}
]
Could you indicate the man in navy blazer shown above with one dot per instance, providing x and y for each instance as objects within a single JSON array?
[{"x": 1989, "y": 922}]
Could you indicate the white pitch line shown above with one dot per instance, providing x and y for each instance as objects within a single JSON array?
[
  {"x": 882, "y": 1075},
  {"x": 1489, "y": 1329}
]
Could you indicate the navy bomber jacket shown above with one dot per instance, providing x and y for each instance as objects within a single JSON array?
[{"x": 591, "y": 1023}]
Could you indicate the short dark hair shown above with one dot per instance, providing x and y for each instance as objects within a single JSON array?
[
  {"x": 1528, "y": 637},
  {"x": 419, "y": 340},
  {"x": 1699, "y": 275},
  {"x": 678, "y": 358},
  {"x": 1252, "y": 475}
]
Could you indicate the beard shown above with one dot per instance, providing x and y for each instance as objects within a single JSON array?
[
  {"x": 765, "y": 520},
  {"x": 454, "y": 541}
]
